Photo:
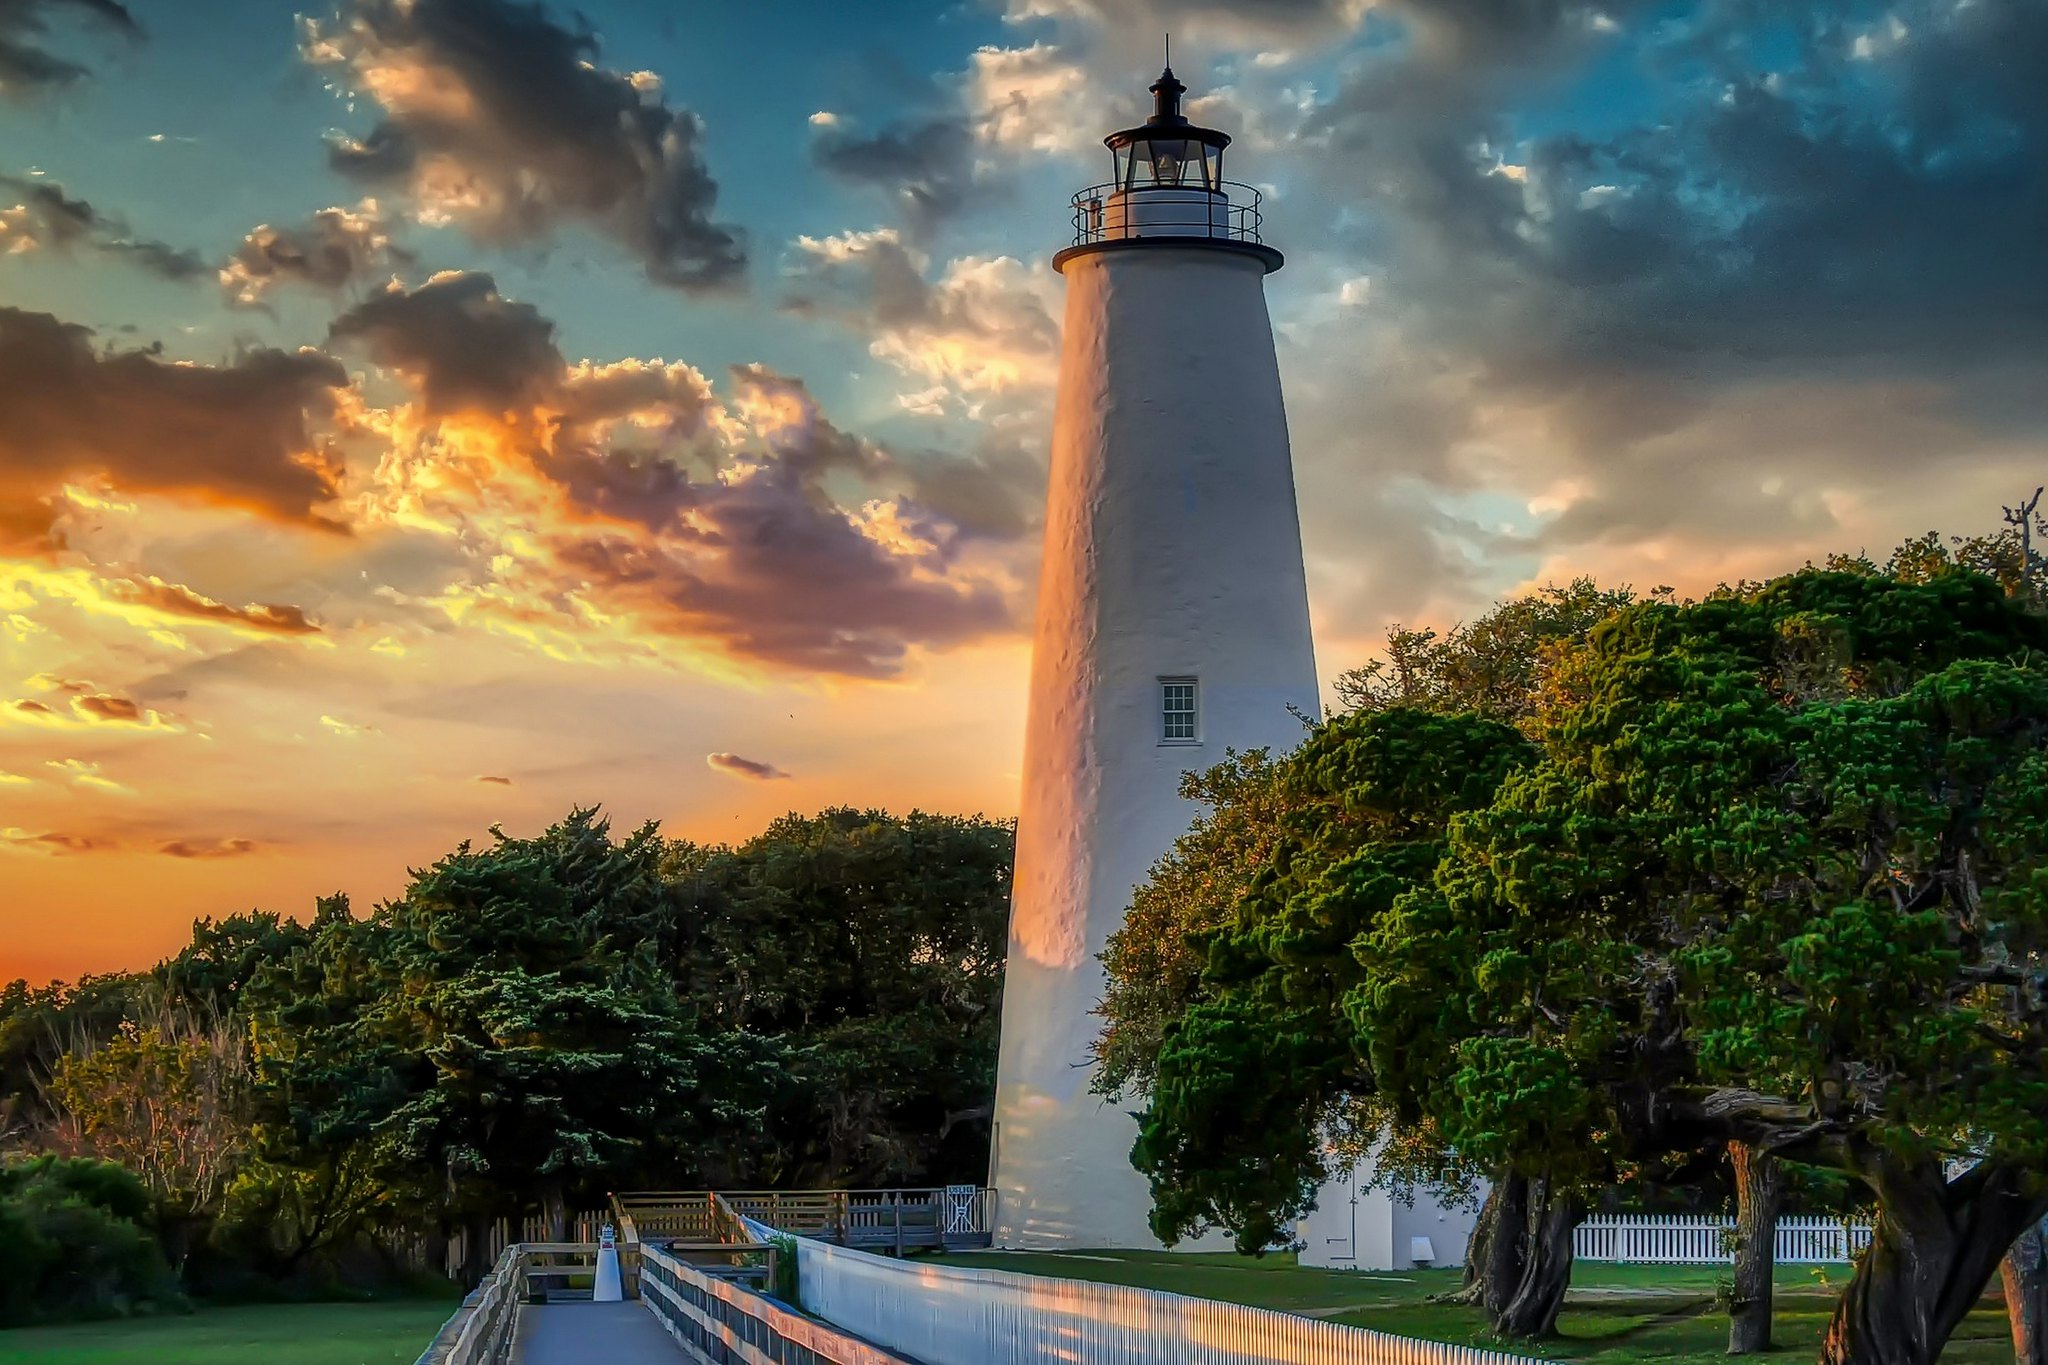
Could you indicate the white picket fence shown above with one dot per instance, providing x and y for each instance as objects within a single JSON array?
[
  {"x": 949, "y": 1315},
  {"x": 1685, "y": 1239}
]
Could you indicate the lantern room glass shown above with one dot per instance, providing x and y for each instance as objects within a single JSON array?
[{"x": 1168, "y": 163}]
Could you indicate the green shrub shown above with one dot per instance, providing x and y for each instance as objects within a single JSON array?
[{"x": 75, "y": 1243}]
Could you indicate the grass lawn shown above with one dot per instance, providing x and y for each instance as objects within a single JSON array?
[
  {"x": 1614, "y": 1315},
  {"x": 265, "y": 1334}
]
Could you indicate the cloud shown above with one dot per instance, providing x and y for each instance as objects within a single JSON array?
[
  {"x": 984, "y": 329},
  {"x": 177, "y": 600},
  {"x": 1139, "y": 24},
  {"x": 208, "y": 848},
  {"x": 751, "y": 769},
  {"x": 462, "y": 345},
  {"x": 84, "y": 773},
  {"x": 1756, "y": 318},
  {"x": 26, "y": 68},
  {"x": 238, "y": 434},
  {"x": 46, "y": 218},
  {"x": 630, "y": 512},
  {"x": 925, "y": 164},
  {"x": 148, "y": 604},
  {"x": 497, "y": 781},
  {"x": 331, "y": 251},
  {"x": 56, "y": 843},
  {"x": 964, "y": 132},
  {"x": 1035, "y": 99},
  {"x": 85, "y": 711},
  {"x": 500, "y": 121},
  {"x": 347, "y": 729}
]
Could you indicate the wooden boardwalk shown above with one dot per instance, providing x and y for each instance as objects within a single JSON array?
[{"x": 593, "y": 1334}]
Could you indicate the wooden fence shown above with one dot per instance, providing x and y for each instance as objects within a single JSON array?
[
  {"x": 893, "y": 1220},
  {"x": 1687, "y": 1239},
  {"x": 580, "y": 1227}
]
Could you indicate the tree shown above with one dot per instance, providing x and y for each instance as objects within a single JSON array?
[
  {"x": 1153, "y": 962},
  {"x": 2025, "y": 1281},
  {"x": 163, "y": 1100},
  {"x": 1771, "y": 874},
  {"x": 1506, "y": 667},
  {"x": 535, "y": 1042},
  {"x": 1262, "y": 1072},
  {"x": 1759, "y": 1195},
  {"x": 868, "y": 950},
  {"x": 224, "y": 956},
  {"x": 1496, "y": 666}
]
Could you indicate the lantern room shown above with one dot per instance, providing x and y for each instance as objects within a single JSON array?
[
  {"x": 1166, "y": 151},
  {"x": 1167, "y": 187}
]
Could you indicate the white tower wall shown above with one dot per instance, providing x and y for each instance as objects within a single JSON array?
[{"x": 1172, "y": 550}]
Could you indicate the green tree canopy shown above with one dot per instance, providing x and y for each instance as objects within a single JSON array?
[{"x": 1771, "y": 870}]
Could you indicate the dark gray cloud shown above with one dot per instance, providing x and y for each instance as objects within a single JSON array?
[
  {"x": 335, "y": 249},
  {"x": 46, "y": 218},
  {"x": 1800, "y": 270},
  {"x": 498, "y": 118},
  {"x": 463, "y": 345},
  {"x": 240, "y": 433},
  {"x": 27, "y": 68},
  {"x": 777, "y": 574},
  {"x": 926, "y": 165},
  {"x": 752, "y": 769}
]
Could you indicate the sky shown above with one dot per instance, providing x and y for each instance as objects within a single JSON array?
[{"x": 419, "y": 415}]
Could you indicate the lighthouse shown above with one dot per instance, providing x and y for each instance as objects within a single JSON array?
[{"x": 1172, "y": 625}]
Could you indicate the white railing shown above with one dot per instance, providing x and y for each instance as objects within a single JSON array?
[
  {"x": 1687, "y": 1239},
  {"x": 949, "y": 1315},
  {"x": 715, "y": 1319}
]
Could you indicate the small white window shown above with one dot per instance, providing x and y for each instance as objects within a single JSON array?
[{"x": 1177, "y": 711}]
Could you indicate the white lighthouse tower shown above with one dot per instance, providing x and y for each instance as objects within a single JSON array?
[{"x": 1172, "y": 624}]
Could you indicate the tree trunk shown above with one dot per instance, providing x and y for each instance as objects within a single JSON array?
[
  {"x": 1472, "y": 1289},
  {"x": 2025, "y": 1274},
  {"x": 476, "y": 1250},
  {"x": 1759, "y": 1192},
  {"x": 554, "y": 1209},
  {"x": 1507, "y": 1248},
  {"x": 1531, "y": 1313},
  {"x": 1934, "y": 1249}
]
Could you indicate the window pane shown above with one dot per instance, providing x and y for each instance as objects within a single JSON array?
[{"x": 1177, "y": 711}]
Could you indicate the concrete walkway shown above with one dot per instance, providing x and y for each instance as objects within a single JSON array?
[{"x": 593, "y": 1334}]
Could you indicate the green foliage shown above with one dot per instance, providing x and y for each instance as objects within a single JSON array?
[
  {"x": 867, "y": 950},
  {"x": 75, "y": 1242},
  {"x": 1154, "y": 960},
  {"x": 1262, "y": 1071},
  {"x": 785, "y": 1286},
  {"x": 1789, "y": 840},
  {"x": 531, "y": 1023},
  {"x": 1495, "y": 666}
]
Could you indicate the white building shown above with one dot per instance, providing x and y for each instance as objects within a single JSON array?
[
  {"x": 1172, "y": 624},
  {"x": 1356, "y": 1228}
]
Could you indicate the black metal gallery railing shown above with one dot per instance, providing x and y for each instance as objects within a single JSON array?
[{"x": 1109, "y": 213}]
